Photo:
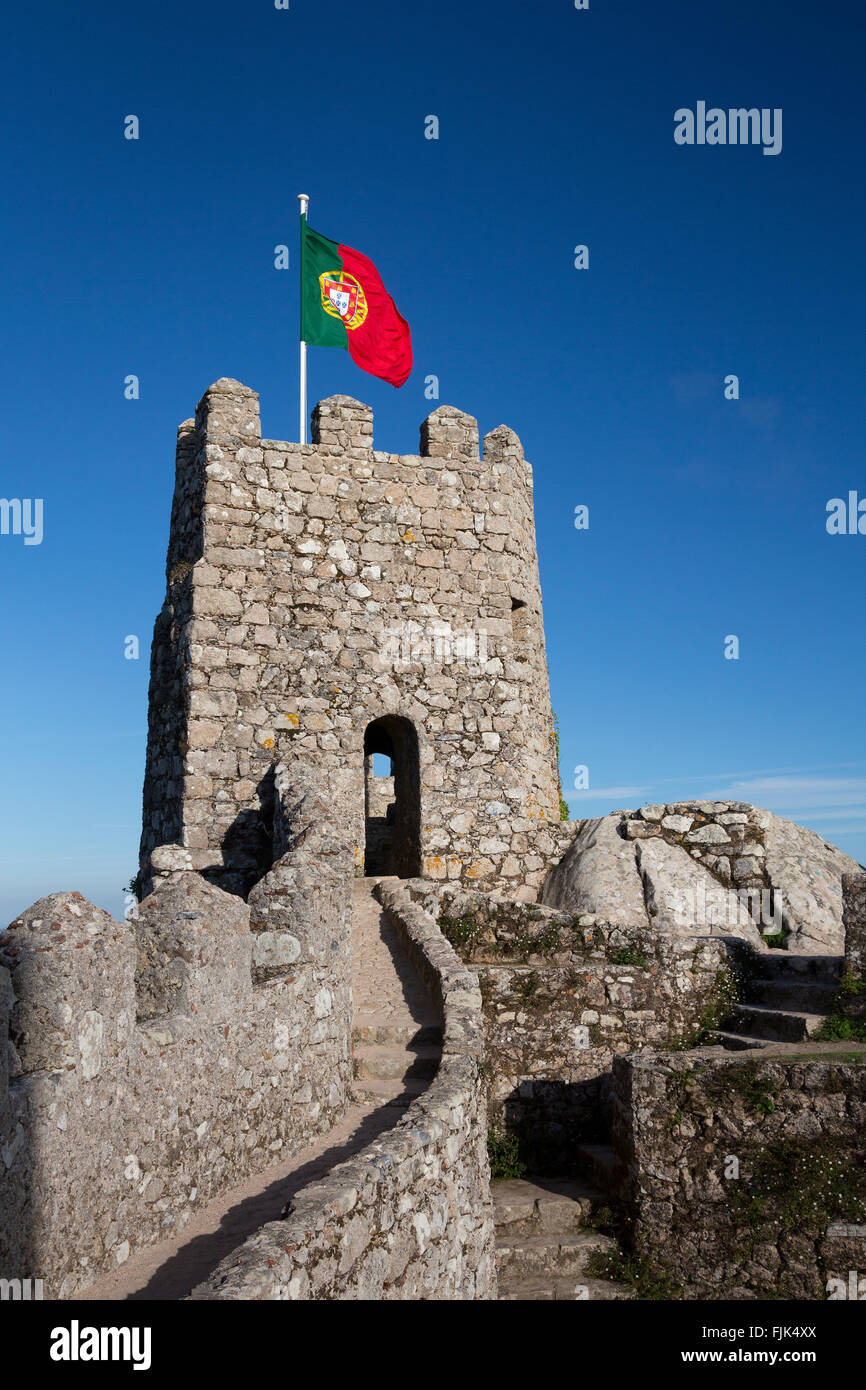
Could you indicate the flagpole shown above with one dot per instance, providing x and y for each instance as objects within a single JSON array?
[{"x": 304, "y": 201}]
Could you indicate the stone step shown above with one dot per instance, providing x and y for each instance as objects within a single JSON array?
[
  {"x": 784, "y": 965},
  {"x": 735, "y": 1042},
  {"x": 776, "y": 1025},
  {"x": 561, "y": 1290},
  {"x": 534, "y": 1205},
  {"x": 802, "y": 995},
  {"x": 411, "y": 1034},
  {"x": 547, "y": 1253},
  {"x": 384, "y": 1063},
  {"x": 389, "y": 1092},
  {"x": 597, "y": 1163}
]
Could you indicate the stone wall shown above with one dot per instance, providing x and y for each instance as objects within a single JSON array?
[
  {"x": 736, "y": 1169},
  {"x": 316, "y": 589},
  {"x": 153, "y": 1063},
  {"x": 410, "y": 1216},
  {"x": 854, "y": 886},
  {"x": 565, "y": 993}
]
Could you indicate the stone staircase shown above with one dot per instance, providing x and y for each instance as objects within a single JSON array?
[
  {"x": 544, "y": 1237},
  {"x": 786, "y": 1001},
  {"x": 397, "y": 1029},
  {"x": 393, "y": 1063}
]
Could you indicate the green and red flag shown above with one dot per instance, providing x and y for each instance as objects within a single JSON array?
[{"x": 344, "y": 304}]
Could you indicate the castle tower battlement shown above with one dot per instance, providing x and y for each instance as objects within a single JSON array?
[{"x": 330, "y": 602}]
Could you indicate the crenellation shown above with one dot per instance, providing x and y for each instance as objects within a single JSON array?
[{"x": 448, "y": 433}]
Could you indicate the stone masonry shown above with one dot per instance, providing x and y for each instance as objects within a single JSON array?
[{"x": 328, "y": 602}]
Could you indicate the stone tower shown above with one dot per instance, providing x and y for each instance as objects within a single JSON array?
[{"x": 327, "y": 603}]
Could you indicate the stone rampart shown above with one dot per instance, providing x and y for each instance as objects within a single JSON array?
[
  {"x": 410, "y": 1216},
  {"x": 146, "y": 1066}
]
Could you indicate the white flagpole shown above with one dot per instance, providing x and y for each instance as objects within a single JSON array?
[{"x": 304, "y": 201}]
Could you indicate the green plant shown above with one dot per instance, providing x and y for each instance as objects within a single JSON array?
[
  {"x": 846, "y": 1021},
  {"x": 548, "y": 940},
  {"x": 554, "y": 734},
  {"x": 180, "y": 571},
  {"x": 747, "y": 1080},
  {"x": 629, "y": 955},
  {"x": 527, "y": 986},
  {"x": 608, "y": 1219},
  {"x": 503, "y": 1151},
  {"x": 776, "y": 940},
  {"x": 133, "y": 886},
  {"x": 833, "y": 1058},
  {"x": 839, "y": 1028},
  {"x": 718, "y": 1005}
]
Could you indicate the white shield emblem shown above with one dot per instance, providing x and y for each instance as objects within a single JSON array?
[{"x": 340, "y": 300}]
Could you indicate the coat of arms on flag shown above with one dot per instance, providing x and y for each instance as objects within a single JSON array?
[{"x": 343, "y": 296}]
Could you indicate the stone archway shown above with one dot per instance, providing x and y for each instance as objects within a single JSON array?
[{"x": 392, "y": 806}]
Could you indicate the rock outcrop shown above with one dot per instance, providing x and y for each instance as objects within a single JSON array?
[{"x": 715, "y": 868}]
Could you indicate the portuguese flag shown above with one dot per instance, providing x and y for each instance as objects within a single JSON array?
[{"x": 344, "y": 304}]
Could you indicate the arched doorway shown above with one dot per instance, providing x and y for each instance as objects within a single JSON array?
[{"x": 392, "y": 798}]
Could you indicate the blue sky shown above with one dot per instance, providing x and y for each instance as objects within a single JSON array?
[{"x": 707, "y": 516}]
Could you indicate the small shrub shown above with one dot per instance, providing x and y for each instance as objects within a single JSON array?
[
  {"x": 180, "y": 571},
  {"x": 839, "y": 1028},
  {"x": 650, "y": 1281},
  {"x": 547, "y": 941},
  {"x": 803, "y": 1185},
  {"x": 462, "y": 932},
  {"x": 133, "y": 886},
  {"x": 503, "y": 1151},
  {"x": 629, "y": 955},
  {"x": 776, "y": 940},
  {"x": 747, "y": 1080},
  {"x": 527, "y": 987}
]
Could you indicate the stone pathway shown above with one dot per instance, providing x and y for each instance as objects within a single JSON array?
[
  {"x": 397, "y": 1033},
  {"x": 397, "y": 1040}
]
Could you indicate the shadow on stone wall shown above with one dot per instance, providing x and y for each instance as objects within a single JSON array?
[
  {"x": 248, "y": 844},
  {"x": 550, "y": 1118}
]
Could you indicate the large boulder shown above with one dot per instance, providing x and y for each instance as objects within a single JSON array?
[
  {"x": 707, "y": 868},
  {"x": 597, "y": 874},
  {"x": 684, "y": 899}
]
